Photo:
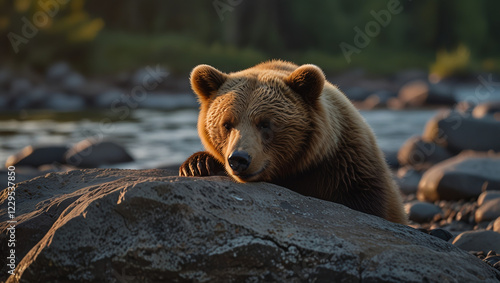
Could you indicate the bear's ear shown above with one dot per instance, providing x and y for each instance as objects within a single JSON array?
[
  {"x": 206, "y": 80},
  {"x": 308, "y": 81}
]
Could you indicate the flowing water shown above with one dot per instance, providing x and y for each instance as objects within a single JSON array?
[{"x": 158, "y": 138}]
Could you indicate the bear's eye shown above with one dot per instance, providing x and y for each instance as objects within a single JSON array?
[
  {"x": 264, "y": 125},
  {"x": 228, "y": 126}
]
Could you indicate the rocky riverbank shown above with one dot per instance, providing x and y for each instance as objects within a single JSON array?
[
  {"x": 62, "y": 88},
  {"x": 110, "y": 225}
]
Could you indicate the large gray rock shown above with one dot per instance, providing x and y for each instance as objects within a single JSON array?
[
  {"x": 418, "y": 93},
  {"x": 464, "y": 176},
  {"x": 421, "y": 154},
  {"x": 92, "y": 153},
  {"x": 457, "y": 132},
  {"x": 104, "y": 225},
  {"x": 479, "y": 240},
  {"x": 36, "y": 156}
]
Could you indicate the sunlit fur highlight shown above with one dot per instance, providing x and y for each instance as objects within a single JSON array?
[{"x": 319, "y": 146}]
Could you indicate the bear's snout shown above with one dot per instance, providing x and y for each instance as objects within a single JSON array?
[{"x": 239, "y": 161}]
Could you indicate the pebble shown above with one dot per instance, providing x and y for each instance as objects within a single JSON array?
[
  {"x": 488, "y": 211},
  {"x": 486, "y": 110},
  {"x": 464, "y": 176},
  {"x": 486, "y": 196},
  {"x": 481, "y": 240},
  {"x": 491, "y": 258},
  {"x": 421, "y": 211},
  {"x": 496, "y": 225}
]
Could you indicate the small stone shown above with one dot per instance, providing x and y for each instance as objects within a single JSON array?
[
  {"x": 441, "y": 233},
  {"x": 486, "y": 196},
  {"x": 421, "y": 212},
  {"x": 486, "y": 110},
  {"x": 496, "y": 225},
  {"x": 488, "y": 211},
  {"x": 481, "y": 240}
]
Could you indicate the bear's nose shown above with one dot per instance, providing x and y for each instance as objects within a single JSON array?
[{"x": 239, "y": 161}]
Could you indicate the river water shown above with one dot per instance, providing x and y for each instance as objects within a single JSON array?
[{"x": 158, "y": 138}]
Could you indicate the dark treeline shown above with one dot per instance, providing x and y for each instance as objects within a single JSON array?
[{"x": 270, "y": 27}]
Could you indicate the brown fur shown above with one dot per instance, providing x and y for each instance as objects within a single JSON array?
[{"x": 301, "y": 132}]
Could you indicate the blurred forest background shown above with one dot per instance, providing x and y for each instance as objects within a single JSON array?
[{"x": 104, "y": 37}]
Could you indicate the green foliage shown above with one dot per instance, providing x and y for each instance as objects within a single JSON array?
[
  {"x": 40, "y": 32},
  {"x": 112, "y": 35},
  {"x": 450, "y": 63}
]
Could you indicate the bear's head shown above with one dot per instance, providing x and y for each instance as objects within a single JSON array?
[{"x": 258, "y": 122}]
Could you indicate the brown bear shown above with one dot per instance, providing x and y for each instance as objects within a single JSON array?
[{"x": 285, "y": 124}]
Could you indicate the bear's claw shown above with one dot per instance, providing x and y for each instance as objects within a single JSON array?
[{"x": 201, "y": 164}]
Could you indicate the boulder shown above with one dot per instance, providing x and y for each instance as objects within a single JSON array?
[
  {"x": 479, "y": 240},
  {"x": 418, "y": 93},
  {"x": 357, "y": 93},
  {"x": 464, "y": 176},
  {"x": 56, "y": 73},
  {"x": 420, "y": 154},
  {"x": 459, "y": 132},
  {"x": 63, "y": 102},
  {"x": 90, "y": 153},
  {"x": 408, "y": 179},
  {"x": 391, "y": 157},
  {"x": 103, "y": 225},
  {"x": 422, "y": 212},
  {"x": 36, "y": 156},
  {"x": 488, "y": 211}
]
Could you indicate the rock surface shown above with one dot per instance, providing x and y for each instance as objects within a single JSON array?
[
  {"x": 464, "y": 176},
  {"x": 102, "y": 225}
]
